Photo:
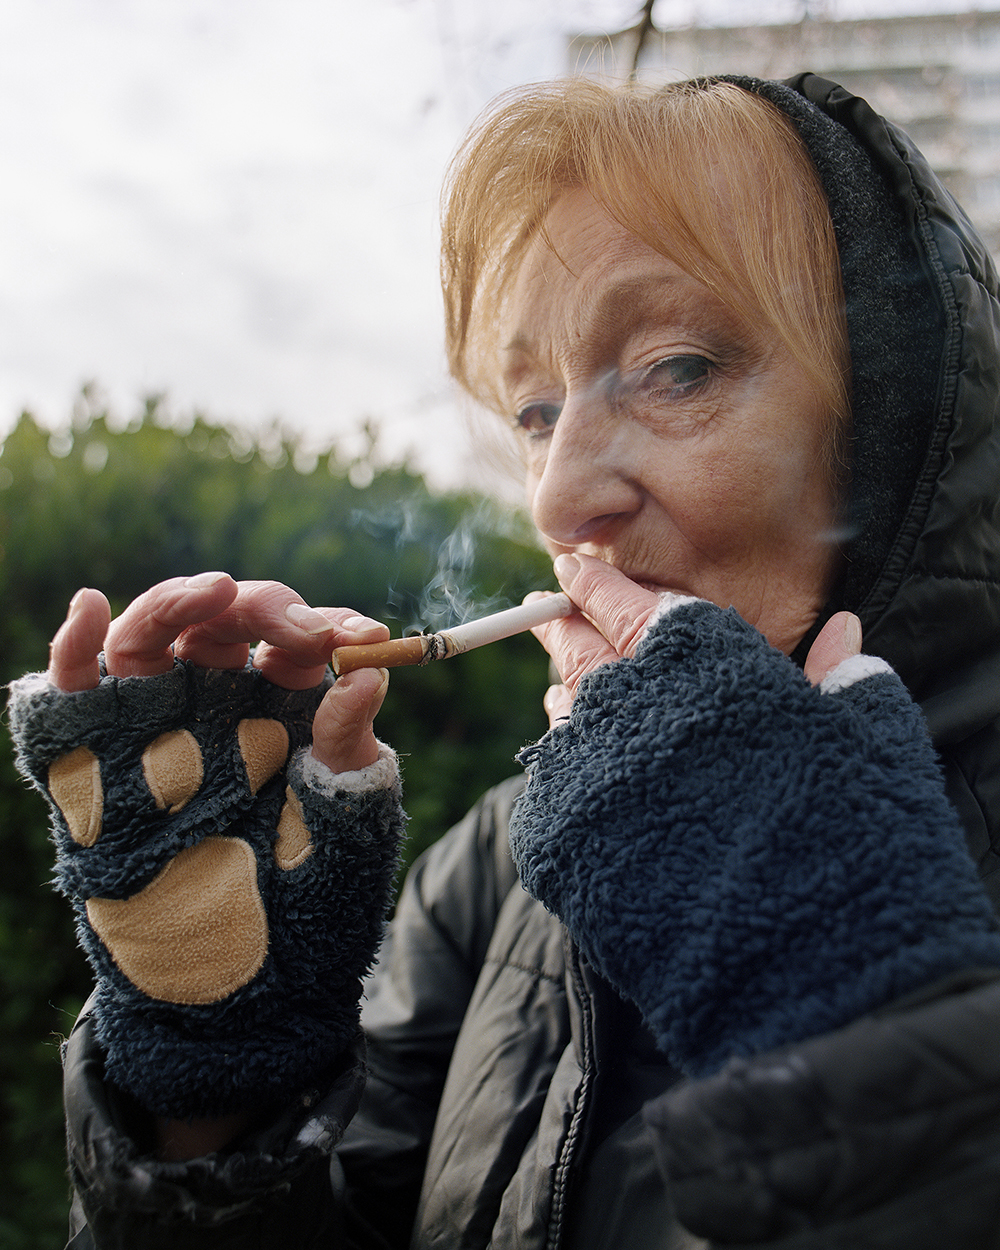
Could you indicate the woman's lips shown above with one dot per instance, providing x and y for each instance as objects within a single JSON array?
[{"x": 656, "y": 588}]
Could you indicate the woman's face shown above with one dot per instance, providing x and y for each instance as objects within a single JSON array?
[{"x": 662, "y": 432}]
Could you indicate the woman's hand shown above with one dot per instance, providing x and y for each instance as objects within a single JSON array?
[
  {"x": 211, "y": 620},
  {"x": 614, "y": 617},
  {"x": 227, "y": 835},
  {"x": 722, "y": 837}
]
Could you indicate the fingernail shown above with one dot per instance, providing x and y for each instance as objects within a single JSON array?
[
  {"x": 852, "y": 634},
  {"x": 357, "y": 623},
  {"x": 308, "y": 619},
  {"x": 348, "y": 679},
  {"x": 566, "y": 568},
  {"x": 76, "y": 602},
  {"x": 202, "y": 580}
]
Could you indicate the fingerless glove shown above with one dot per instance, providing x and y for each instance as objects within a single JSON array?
[
  {"x": 750, "y": 859},
  {"x": 230, "y": 891}
]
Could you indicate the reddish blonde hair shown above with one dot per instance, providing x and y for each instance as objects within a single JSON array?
[{"x": 711, "y": 176}]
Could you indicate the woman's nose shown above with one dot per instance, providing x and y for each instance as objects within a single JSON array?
[{"x": 587, "y": 481}]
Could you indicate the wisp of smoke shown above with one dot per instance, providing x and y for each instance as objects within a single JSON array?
[{"x": 449, "y": 596}]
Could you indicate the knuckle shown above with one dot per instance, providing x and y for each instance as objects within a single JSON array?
[{"x": 265, "y": 590}]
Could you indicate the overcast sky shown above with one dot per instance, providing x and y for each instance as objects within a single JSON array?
[{"x": 235, "y": 201}]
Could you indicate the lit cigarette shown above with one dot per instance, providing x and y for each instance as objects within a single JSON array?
[{"x": 423, "y": 648}]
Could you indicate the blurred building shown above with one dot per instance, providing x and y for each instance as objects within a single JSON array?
[{"x": 937, "y": 76}]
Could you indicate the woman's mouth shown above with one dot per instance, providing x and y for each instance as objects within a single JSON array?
[{"x": 656, "y": 588}]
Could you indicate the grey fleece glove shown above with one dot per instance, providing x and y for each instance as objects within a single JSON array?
[
  {"x": 230, "y": 891},
  {"x": 748, "y": 858}
]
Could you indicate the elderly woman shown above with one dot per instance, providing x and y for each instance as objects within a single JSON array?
[{"x": 738, "y": 980}]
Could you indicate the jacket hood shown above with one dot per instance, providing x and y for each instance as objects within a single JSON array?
[{"x": 922, "y": 521}]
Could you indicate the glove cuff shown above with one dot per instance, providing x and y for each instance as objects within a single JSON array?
[{"x": 382, "y": 775}]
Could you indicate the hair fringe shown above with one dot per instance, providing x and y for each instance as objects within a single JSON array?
[{"x": 711, "y": 176}]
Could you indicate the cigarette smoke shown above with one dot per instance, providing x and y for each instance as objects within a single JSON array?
[{"x": 449, "y": 596}]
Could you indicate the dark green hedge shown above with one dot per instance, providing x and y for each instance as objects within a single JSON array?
[{"x": 121, "y": 508}]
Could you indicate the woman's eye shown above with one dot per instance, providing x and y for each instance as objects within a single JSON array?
[
  {"x": 675, "y": 376},
  {"x": 537, "y": 419}
]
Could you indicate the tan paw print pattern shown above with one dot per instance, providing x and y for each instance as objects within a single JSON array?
[
  {"x": 230, "y": 893},
  {"x": 198, "y": 930}
]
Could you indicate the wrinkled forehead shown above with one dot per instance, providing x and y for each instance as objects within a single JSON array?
[
  {"x": 627, "y": 219},
  {"x": 584, "y": 276},
  {"x": 576, "y": 242}
]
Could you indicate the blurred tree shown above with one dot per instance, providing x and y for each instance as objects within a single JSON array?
[{"x": 120, "y": 508}]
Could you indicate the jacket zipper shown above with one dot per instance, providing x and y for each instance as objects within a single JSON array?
[{"x": 571, "y": 1142}]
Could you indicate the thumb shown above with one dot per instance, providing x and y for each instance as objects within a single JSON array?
[
  {"x": 558, "y": 702},
  {"x": 838, "y": 640},
  {"x": 343, "y": 738}
]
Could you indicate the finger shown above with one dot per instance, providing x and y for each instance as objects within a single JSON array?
[
  {"x": 303, "y": 667},
  {"x": 343, "y": 737},
  {"x": 838, "y": 640},
  {"x": 558, "y": 703},
  {"x": 73, "y": 662},
  {"x": 266, "y": 612},
  {"x": 619, "y": 607},
  {"x": 258, "y": 611},
  {"x": 615, "y": 612},
  {"x": 138, "y": 644},
  {"x": 576, "y": 647}
]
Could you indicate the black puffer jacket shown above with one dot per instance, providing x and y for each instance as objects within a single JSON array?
[{"x": 511, "y": 1098}]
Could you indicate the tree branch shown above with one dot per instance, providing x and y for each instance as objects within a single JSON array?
[{"x": 643, "y": 30}]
